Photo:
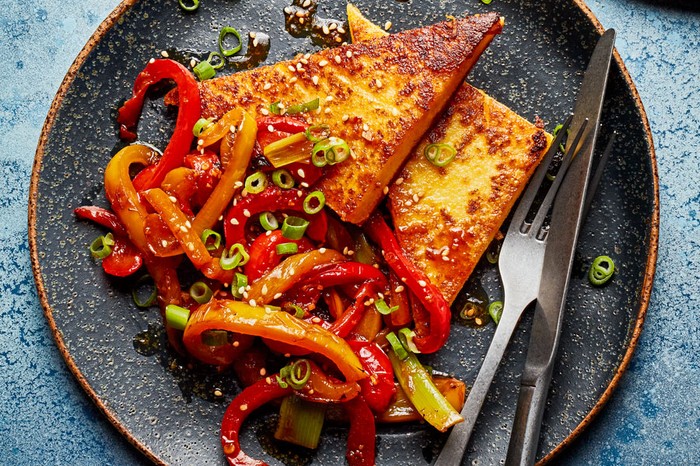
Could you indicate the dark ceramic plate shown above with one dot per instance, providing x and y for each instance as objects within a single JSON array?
[{"x": 169, "y": 411}]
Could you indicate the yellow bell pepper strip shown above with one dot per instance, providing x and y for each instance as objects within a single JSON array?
[
  {"x": 122, "y": 195},
  {"x": 324, "y": 389},
  {"x": 191, "y": 242},
  {"x": 420, "y": 389},
  {"x": 250, "y": 399},
  {"x": 292, "y": 270},
  {"x": 238, "y": 317},
  {"x": 241, "y": 151},
  {"x": 188, "y": 114}
]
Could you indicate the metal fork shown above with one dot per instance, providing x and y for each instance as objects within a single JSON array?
[{"x": 520, "y": 263}]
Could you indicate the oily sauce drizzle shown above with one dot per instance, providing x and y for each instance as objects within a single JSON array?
[{"x": 301, "y": 20}]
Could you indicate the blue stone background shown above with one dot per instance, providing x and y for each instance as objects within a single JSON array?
[{"x": 652, "y": 419}]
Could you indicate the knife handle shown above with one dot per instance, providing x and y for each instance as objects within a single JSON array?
[{"x": 525, "y": 436}]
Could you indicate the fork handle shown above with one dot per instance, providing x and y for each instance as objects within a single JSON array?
[{"x": 453, "y": 450}]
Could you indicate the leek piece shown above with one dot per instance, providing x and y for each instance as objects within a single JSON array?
[
  {"x": 300, "y": 422},
  {"x": 420, "y": 389},
  {"x": 294, "y": 148}
]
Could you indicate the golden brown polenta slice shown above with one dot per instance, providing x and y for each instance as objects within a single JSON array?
[
  {"x": 445, "y": 218},
  {"x": 380, "y": 96}
]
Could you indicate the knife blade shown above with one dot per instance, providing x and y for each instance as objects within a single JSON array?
[{"x": 566, "y": 220}]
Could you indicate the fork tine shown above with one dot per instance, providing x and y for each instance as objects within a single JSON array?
[
  {"x": 552, "y": 192},
  {"x": 534, "y": 185}
]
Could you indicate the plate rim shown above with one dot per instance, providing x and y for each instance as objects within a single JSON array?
[{"x": 113, "y": 18}]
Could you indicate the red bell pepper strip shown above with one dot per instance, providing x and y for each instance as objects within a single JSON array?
[
  {"x": 415, "y": 279},
  {"x": 188, "y": 114},
  {"x": 247, "y": 401},
  {"x": 274, "y": 128},
  {"x": 263, "y": 253},
  {"x": 378, "y": 390},
  {"x": 361, "y": 437},
  {"x": 272, "y": 199},
  {"x": 352, "y": 315},
  {"x": 102, "y": 217},
  {"x": 124, "y": 259},
  {"x": 344, "y": 273}
]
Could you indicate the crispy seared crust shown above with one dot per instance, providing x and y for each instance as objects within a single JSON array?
[
  {"x": 390, "y": 89},
  {"x": 445, "y": 218}
]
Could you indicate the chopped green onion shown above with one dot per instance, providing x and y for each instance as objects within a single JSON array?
[
  {"x": 214, "y": 337},
  {"x": 151, "y": 297},
  {"x": 601, "y": 270},
  {"x": 496, "y": 311},
  {"x": 201, "y": 125},
  {"x": 238, "y": 287},
  {"x": 486, "y": 2},
  {"x": 283, "y": 179},
  {"x": 256, "y": 183},
  {"x": 557, "y": 129},
  {"x": 422, "y": 392},
  {"x": 364, "y": 252},
  {"x": 176, "y": 316},
  {"x": 322, "y": 130},
  {"x": 275, "y": 108},
  {"x": 383, "y": 308},
  {"x": 225, "y": 31},
  {"x": 305, "y": 107},
  {"x": 314, "y": 202},
  {"x": 268, "y": 221},
  {"x": 334, "y": 150},
  {"x": 439, "y": 154},
  {"x": 298, "y": 311},
  {"x": 287, "y": 248},
  {"x": 102, "y": 246},
  {"x": 406, "y": 335},
  {"x": 220, "y": 63},
  {"x": 396, "y": 346},
  {"x": 193, "y": 7},
  {"x": 299, "y": 374},
  {"x": 294, "y": 148},
  {"x": 206, "y": 234},
  {"x": 200, "y": 292},
  {"x": 300, "y": 422},
  {"x": 204, "y": 70},
  {"x": 294, "y": 227},
  {"x": 234, "y": 259}
]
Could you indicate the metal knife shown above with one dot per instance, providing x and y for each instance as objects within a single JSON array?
[{"x": 567, "y": 215}]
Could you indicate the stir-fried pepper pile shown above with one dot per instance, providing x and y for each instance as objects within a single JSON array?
[{"x": 279, "y": 281}]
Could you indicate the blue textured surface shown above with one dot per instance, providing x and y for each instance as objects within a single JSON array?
[{"x": 654, "y": 417}]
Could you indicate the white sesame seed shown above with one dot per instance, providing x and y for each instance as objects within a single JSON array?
[
  {"x": 236, "y": 343},
  {"x": 188, "y": 224},
  {"x": 291, "y": 68},
  {"x": 270, "y": 128},
  {"x": 193, "y": 63},
  {"x": 221, "y": 217},
  {"x": 327, "y": 110},
  {"x": 399, "y": 181},
  {"x": 164, "y": 54},
  {"x": 395, "y": 111},
  {"x": 304, "y": 184},
  {"x": 263, "y": 371},
  {"x": 333, "y": 26},
  {"x": 265, "y": 111},
  {"x": 163, "y": 243},
  {"x": 200, "y": 142},
  {"x": 301, "y": 20},
  {"x": 293, "y": 80},
  {"x": 183, "y": 228},
  {"x": 341, "y": 30},
  {"x": 288, "y": 10},
  {"x": 252, "y": 302},
  {"x": 307, "y": 55},
  {"x": 255, "y": 42},
  {"x": 300, "y": 14},
  {"x": 316, "y": 320},
  {"x": 329, "y": 98},
  {"x": 217, "y": 392},
  {"x": 237, "y": 184},
  {"x": 337, "y": 59},
  {"x": 345, "y": 251},
  {"x": 173, "y": 199},
  {"x": 445, "y": 258},
  {"x": 234, "y": 221},
  {"x": 416, "y": 198},
  {"x": 246, "y": 212},
  {"x": 326, "y": 31},
  {"x": 409, "y": 203},
  {"x": 152, "y": 60},
  {"x": 387, "y": 25},
  {"x": 299, "y": 66},
  {"x": 379, "y": 84},
  {"x": 399, "y": 289},
  {"x": 322, "y": 63},
  {"x": 422, "y": 283},
  {"x": 365, "y": 127},
  {"x": 268, "y": 232},
  {"x": 301, "y": 173},
  {"x": 277, "y": 296},
  {"x": 190, "y": 246},
  {"x": 306, "y": 3},
  {"x": 232, "y": 128},
  {"x": 264, "y": 290},
  {"x": 386, "y": 190},
  {"x": 345, "y": 118},
  {"x": 304, "y": 61},
  {"x": 314, "y": 79},
  {"x": 348, "y": 54},
  {"x": 322, "y": 250},
  {"x": 244, "y": 407}
]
